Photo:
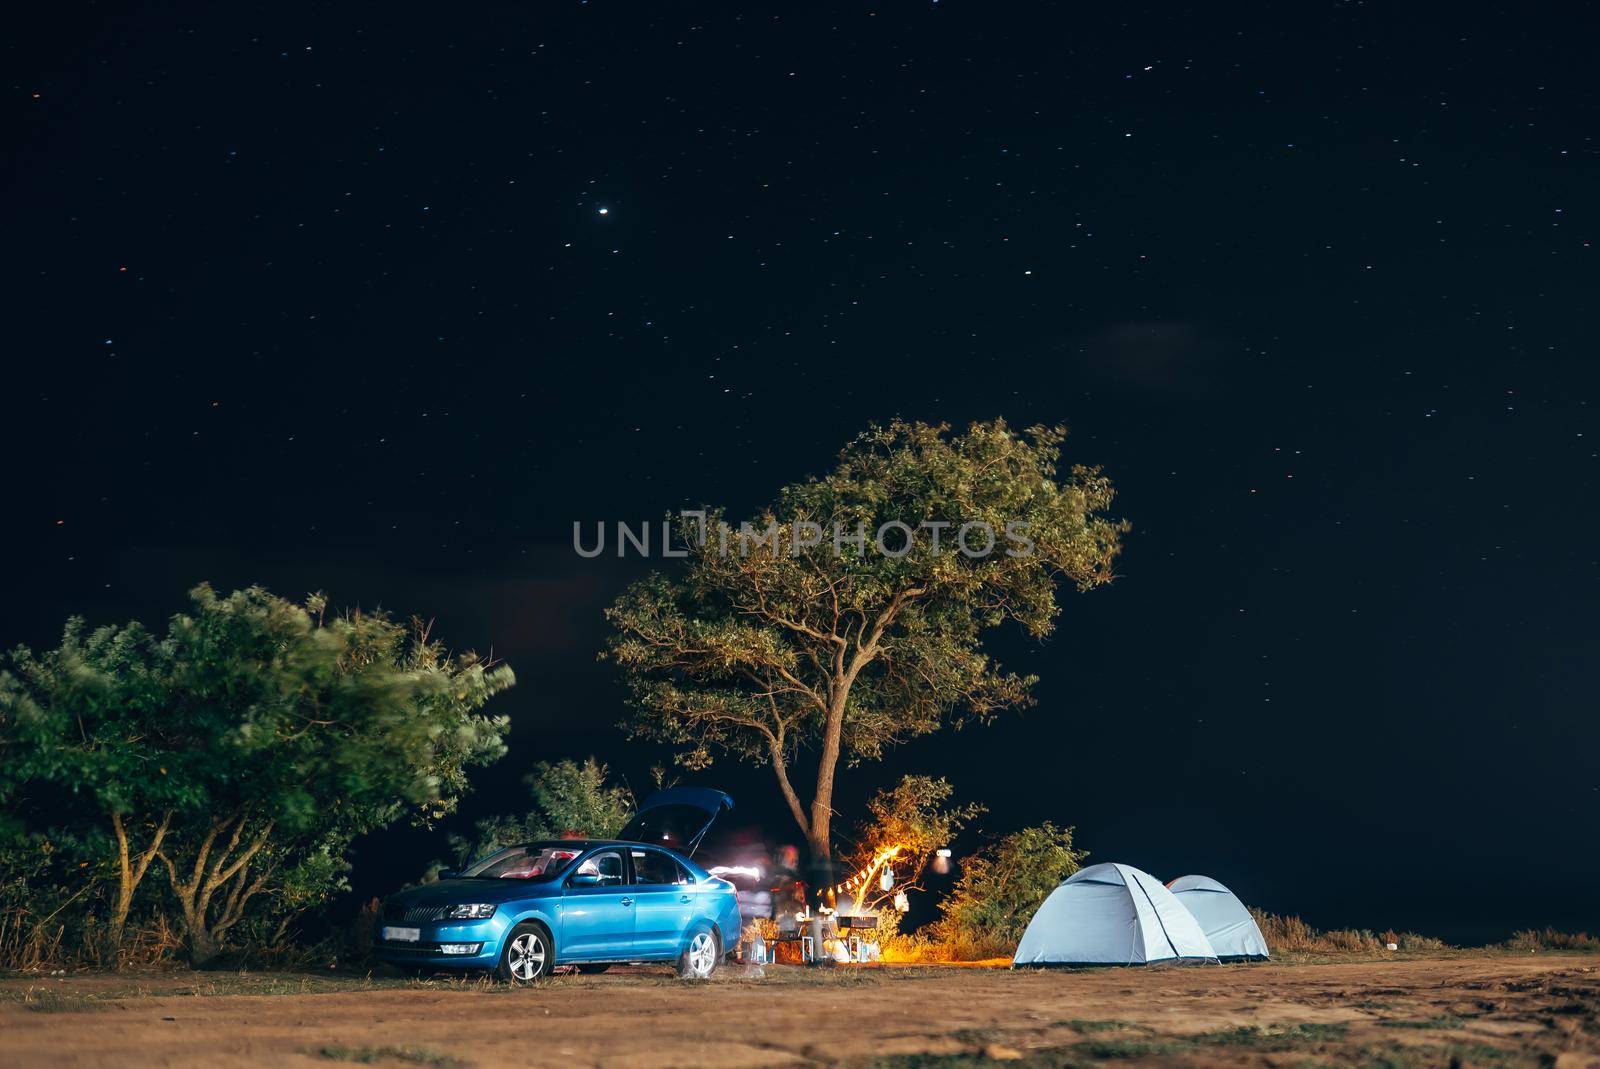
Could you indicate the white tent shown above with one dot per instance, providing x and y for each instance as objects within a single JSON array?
[
  {"x": 1111, "y": 914},
  {"x": 1229, "y": 926}
]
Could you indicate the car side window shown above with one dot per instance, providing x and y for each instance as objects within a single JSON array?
[
  {"x": 607, "y": 865},
  {"x": 653, "y": 867}
]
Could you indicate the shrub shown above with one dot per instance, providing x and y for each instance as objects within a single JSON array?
[
  {"x": 1001, "y": 887},
  {"x": 569, "y": 800}
]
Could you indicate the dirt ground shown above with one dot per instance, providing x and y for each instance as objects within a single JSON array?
[{"x": 1488, "y": 1010}]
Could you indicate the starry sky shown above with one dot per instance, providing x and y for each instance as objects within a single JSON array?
[{"x": 380, "y": 298}]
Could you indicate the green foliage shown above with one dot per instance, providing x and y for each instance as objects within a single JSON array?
[
  {"x": 368, "y": 1055},
  {"x": 242, "y": 750},
  {"x": 775, "y": 643},
  {"x": 570, "y": 800},
  {"x": 916, "y": 816},
  {"x": 1003, "y": 885}
]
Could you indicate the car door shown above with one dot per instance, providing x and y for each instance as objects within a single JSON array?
[
  {"x": 664, "y": 903},
  {"x": 597, "y": 918}
]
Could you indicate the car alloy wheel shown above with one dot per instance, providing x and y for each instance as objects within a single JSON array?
[
  {"x": 527, "y": 956},
  {"x": 701, "y": 957}
]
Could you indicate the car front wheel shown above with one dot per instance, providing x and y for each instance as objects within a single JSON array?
[
  {"x": 527, "y": 955},
  {"x": 701, "y": 955}
]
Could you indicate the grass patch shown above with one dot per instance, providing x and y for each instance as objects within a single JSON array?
[
  {"x": 1089, "y": 1028},
  {"x": 48, "y": 1000},
  {"x": 1117, "y": 1047},
  {"x": 1276, "y": 1037},
  {"x": 1088, "y": 1054},
  {"x": 101, "y": 988},
  {"x": 1446, "y": 1021},
  {"x": 92, "y": 990},
  {"x": 1397, "y": 1056},
  {"x": 368, "y": 1055},
  {"x": 1107, "y": 1045}
]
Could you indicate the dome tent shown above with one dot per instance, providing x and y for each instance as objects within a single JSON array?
[
  {"x": 1228, "y": 925},
  {"x": 1111, "y": 914}
]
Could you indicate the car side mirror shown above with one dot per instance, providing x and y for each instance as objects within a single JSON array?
[
  {"x": 584, "y": 879},
  {"x": 448, "y": 874}
]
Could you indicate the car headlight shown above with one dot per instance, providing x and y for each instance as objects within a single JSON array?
[{"x": 470, "y": 911}]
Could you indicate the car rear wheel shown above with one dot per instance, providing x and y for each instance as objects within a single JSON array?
[
  {"x": 702, "y": 953},
  {"x": 527, "y": 955}
]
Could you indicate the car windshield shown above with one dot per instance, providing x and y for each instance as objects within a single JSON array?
[{"x": 523, "y": 863}]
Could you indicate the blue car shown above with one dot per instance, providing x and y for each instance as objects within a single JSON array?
[{"x": 526, "y": 909}]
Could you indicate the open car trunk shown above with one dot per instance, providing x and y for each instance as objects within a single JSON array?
[{"x": 677, "y": 818}]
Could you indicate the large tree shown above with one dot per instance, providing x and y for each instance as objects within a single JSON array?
[
  {"x": 78, "y": 765},
  {"x": 246, "y": 747},
  {"x": 852, "y": 616}
]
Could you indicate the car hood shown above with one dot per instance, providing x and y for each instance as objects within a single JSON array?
[{"x": 450, "y": 892}]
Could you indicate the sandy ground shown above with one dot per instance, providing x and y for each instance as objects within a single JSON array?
[{"x": 1506, "y": 1010}]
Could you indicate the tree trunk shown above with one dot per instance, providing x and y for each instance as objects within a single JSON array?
[
  {"x": 819, "y": 833},
  {"x": 202, "y": 947},
  {"x": 130, "y": 872},
  {"x": 819, "y": 837},
  {"x": 819, "y": 878},
  {"x": 833, "y": 729},
  {"x": 201, "y": 932}
]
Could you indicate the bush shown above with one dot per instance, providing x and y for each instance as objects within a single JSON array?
[
  {"x": 570, "y": 800},
  {"x": 999, "y": 890}
]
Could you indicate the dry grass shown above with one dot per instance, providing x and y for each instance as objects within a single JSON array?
[
  {"x": 1291, "y": 935},
  {"x": 28, "y": 942},
  {"x": 31, "y": 943},
  {"x": 1550, "y": 939},
  {"x": 921, "y": 949},
  {"x": 1285, "y": 935}
]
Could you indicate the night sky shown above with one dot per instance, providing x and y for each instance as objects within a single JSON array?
[{"x": 380, "y": 298}]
